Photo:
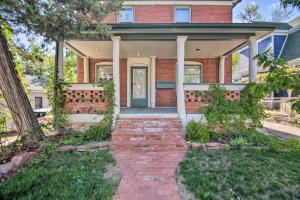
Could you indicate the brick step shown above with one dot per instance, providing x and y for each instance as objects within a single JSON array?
[
  {"x": 137, "y": 126},
  {"x": 144, "y": 137}
]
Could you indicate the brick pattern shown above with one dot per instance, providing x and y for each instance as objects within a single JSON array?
[
  {"x": 211, "y": 14},
  {"x": 85, "y": 101},
  {"x": 80, "y": 72},
  {"x": 166, "y": 71},
  {"x": 148, "y": 152},
  {"x": 194, "y": 103},
  {"x": 165, "y": 14},
  {"x": 154, "y": 14}
]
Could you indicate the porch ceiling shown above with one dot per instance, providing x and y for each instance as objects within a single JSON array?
[{"x": 166, "y": 49}]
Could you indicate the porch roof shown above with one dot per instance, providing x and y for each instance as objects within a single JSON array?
[{"x": 194, "y": 31}]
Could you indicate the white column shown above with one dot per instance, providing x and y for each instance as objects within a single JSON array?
[
  {"x": 153, "y": 88},
  {"x": 86, "y": 70},
  {"x": 61, "y": 60},
  {"x": 180, "y": 78},
  {"x": 222, "y": 69},
  {"x": 253, "y": 51},
  {"x": 116, "y": 71}
]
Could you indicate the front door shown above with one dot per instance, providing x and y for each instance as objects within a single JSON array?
[{"x": 139, "y": 87}]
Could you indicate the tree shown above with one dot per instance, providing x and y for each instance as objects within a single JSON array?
[
  {"x": 280, "y": 13},
  {"x": 55, "y": 20},
  {"x": 250, "y": 13},
  {"x": 294, "y": 3}
]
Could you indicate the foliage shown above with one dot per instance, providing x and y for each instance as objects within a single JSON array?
[
  {"x": 295, "y": 3},
  {"x": 280, "y": 76},
  {"x": 99, "y": 132},
  {"x": 197, "y": 132},
  {"x": 239, "y": 142},
  {"x": 250, "y": 13},
  {"x": 250, "y": 103},
  {"x": 58, "y": 20},
  {"x": 281, "y": 13},
  {"x": 56, "y": 100},
  {"x": 72, "y": 137},
  {"x": 63, "y": 176},
  {"x": 259, "y": 174},
  {"x": 221, "y": 112},
  {"x": 49, "y": 149},
  {"x": 235, "y": 59}
]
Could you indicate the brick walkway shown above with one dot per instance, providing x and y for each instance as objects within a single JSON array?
[{"x": 148, "y": 152}]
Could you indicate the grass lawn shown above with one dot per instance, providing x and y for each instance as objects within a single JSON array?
[
  {"x": 242, "y": 174},
  {"x": 63, "y": 176}
]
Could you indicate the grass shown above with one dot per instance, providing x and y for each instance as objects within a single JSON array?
[
  {"x": 63, "y": 176},
  {"x": 242, "y": 174}
]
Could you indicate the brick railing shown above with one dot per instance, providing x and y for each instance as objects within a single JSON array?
[
  {"x": 194, "y": 102},
  {"x": 85, "y": 98}
]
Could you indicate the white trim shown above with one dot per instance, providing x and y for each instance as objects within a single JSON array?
[
  {"x": 205, "y": 87},
  {"x": 86, "y": 118},
  {"x": 283, "y": 45},
  {"x": 101, "y": 64},
  {"x": 82, "y": 86},
  {"x": 195, "y": 63},
  {"x": 137, "y": 62},
  {"x": 130, "y": 3}
]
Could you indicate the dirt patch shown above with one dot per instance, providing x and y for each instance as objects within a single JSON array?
[{"x": 183, "y": 192}]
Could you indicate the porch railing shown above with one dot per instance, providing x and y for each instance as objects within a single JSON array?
[
  {"x": 85, "y": 98},
  {"x": 194, "y": 102}
]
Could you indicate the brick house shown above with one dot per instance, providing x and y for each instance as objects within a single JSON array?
[{"x": 159, "y": 54}]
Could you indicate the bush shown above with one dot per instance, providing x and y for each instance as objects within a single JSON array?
[
  {"x": 197, "y": 132},
  {"x": 99, "y": 132},
  {"x": 239, "y": 142}
]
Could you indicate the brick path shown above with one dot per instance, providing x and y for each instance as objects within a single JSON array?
[{"x": 148, "y": 152}]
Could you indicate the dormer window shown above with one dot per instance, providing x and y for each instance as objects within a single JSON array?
[
  {"x": 126, "y": 15},
  {"x": 182, "y": 14}
]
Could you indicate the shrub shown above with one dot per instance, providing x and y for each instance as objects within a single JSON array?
[
  {"x": 73, "y": 138},
  {"x": 99, "y": 132},
  {"x": 197, "y": 132},
  {"x": 239, "y": 142}
]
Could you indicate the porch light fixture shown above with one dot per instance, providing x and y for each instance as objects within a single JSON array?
[
  {"x": 197, "y": 49},
  {"x": 97, "y": 49}
]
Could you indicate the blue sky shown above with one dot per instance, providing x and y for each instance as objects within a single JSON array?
[{"x": 265, "y": 7}]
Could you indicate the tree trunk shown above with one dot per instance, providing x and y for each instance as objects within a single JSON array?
[{"x": 15, "y": 96}]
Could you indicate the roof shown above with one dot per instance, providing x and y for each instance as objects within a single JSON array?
[
  {"x": 195, "y": 31},
  {"x": 36, "y": 83},
  {"x": 291, "y": 49}
]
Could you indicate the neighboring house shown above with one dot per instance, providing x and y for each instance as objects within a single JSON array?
[
  {"x": 38, "y": 95},
  {"x": 284, "y": 42},
  {"x": 159, "y": 54}
]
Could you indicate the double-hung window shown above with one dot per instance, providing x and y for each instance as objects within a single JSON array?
[
  {"x": 104, "y": 73},
  {"x": 193, "y": 74},
  {"x": 126, "y": 15},
  {"x": 182, "y": 14},
  {"x": 38, "y": 102}
]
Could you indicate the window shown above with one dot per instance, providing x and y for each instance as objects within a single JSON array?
[
  {"x": 192, "y": 74},
  {"x": 38, "y": 102},
  {"x": 104, "y": 72},
  {"x": 126, "y": 15},
  {"x": 182, "y": 14}
]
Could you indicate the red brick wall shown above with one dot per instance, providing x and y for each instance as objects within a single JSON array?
[
  {"x": 123, "y": 82},
  {"x": 210, "y": 69},
  {"x": 165, "y": 14},
  {"x": 228, "y": 70},
  {"x": 80, "y": 75},
  {"x": 211, "y": 14},
  {"x": 154, "y": 14},
  {"x": 166, "y": 71},
  {"x": 194, "y": 103}
]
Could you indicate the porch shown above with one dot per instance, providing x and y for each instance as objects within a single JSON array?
[{"x": 159, "y": 66}]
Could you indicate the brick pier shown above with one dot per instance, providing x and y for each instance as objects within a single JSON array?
[{"x": 148, "y": 152}]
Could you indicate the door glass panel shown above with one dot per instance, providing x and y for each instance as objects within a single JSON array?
[{"x": 139, "y": 83}]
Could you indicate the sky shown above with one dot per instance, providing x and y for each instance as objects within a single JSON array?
[{"x": 265, "y": 8}]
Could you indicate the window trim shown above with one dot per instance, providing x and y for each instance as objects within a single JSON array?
[
  {"x": 133, "y": 15},
  {"x": 201, "y": 71},
  {"x": 190, "y": 14},
  {"x": 102, "y": 64}
]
